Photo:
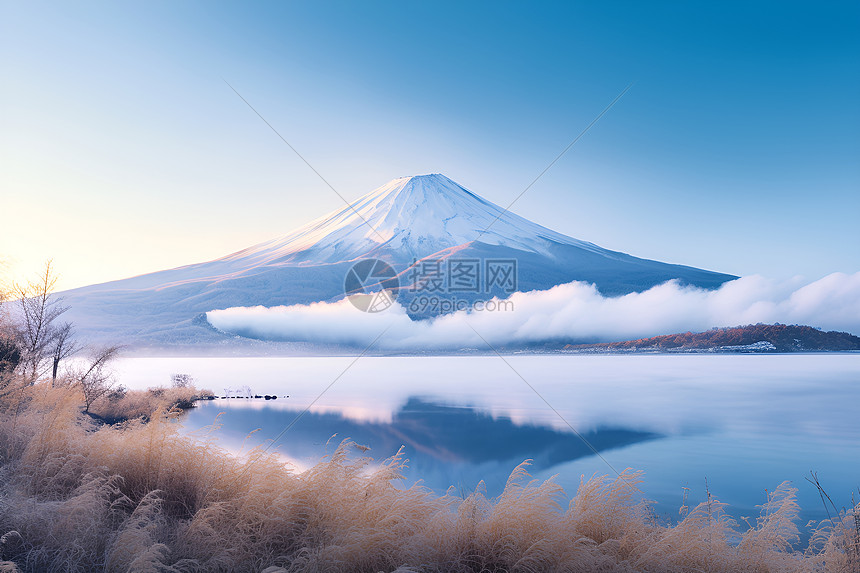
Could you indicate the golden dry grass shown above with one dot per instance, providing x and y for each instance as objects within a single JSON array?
[
  {"x": 142, "y": 497},
  {"x": 130, "y": 404}
]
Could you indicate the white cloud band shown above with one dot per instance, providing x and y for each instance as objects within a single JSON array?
[{"x": 575, "y": 311}]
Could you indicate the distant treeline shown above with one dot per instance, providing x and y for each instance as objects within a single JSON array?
[{"x": 785, "y": 338}]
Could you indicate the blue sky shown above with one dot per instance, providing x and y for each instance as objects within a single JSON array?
[{"x": 737, "y": 149}]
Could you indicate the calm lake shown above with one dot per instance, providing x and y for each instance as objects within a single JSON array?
[{"x": 743, "y": 422}]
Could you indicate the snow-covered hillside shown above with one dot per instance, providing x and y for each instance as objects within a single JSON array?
[{"x": 407, "y": 219}]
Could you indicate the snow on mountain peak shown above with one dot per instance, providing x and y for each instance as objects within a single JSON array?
[{"x": 412, "y": 217}]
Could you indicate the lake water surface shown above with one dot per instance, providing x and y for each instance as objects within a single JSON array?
[{"x": 743, "y": 422}]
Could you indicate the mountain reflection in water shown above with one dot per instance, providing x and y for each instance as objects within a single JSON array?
[{"x": 446, "y": 444}]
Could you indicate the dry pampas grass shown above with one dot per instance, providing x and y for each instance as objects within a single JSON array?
[{"x": 142, "y": 497}]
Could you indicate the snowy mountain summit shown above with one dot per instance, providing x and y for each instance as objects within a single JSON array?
[
  {"x": 405, "y": 222},
  {"x": 408, "y": 218}
]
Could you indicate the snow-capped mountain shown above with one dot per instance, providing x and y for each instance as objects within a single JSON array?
[{"x": 405, "y": 220}]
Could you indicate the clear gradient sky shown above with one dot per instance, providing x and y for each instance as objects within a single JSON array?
[{"x": 122, "y": 151}]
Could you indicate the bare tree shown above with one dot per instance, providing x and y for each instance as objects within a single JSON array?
[
  {"x": 62, "y": 346},
  {"x": 10, "y": 357},
  {"x": 10, "y": 354},
  {"x": 182, "y": 380},
  {"x": 36, "y": 331},
  {"x": 94, "y": 378}
]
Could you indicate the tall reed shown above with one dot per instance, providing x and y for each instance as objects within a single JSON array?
[{"x": 142, "y": 496}]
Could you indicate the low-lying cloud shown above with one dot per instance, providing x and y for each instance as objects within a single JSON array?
[{"x": 572, "y": 311}]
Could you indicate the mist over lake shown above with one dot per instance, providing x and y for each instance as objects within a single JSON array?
[{"x": 743, "y": 422}]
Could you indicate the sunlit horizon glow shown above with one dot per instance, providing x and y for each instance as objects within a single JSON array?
[{"x": 123, "y": 152}]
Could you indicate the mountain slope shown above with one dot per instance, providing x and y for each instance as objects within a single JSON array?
[{"x": 407, "y": 219}]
